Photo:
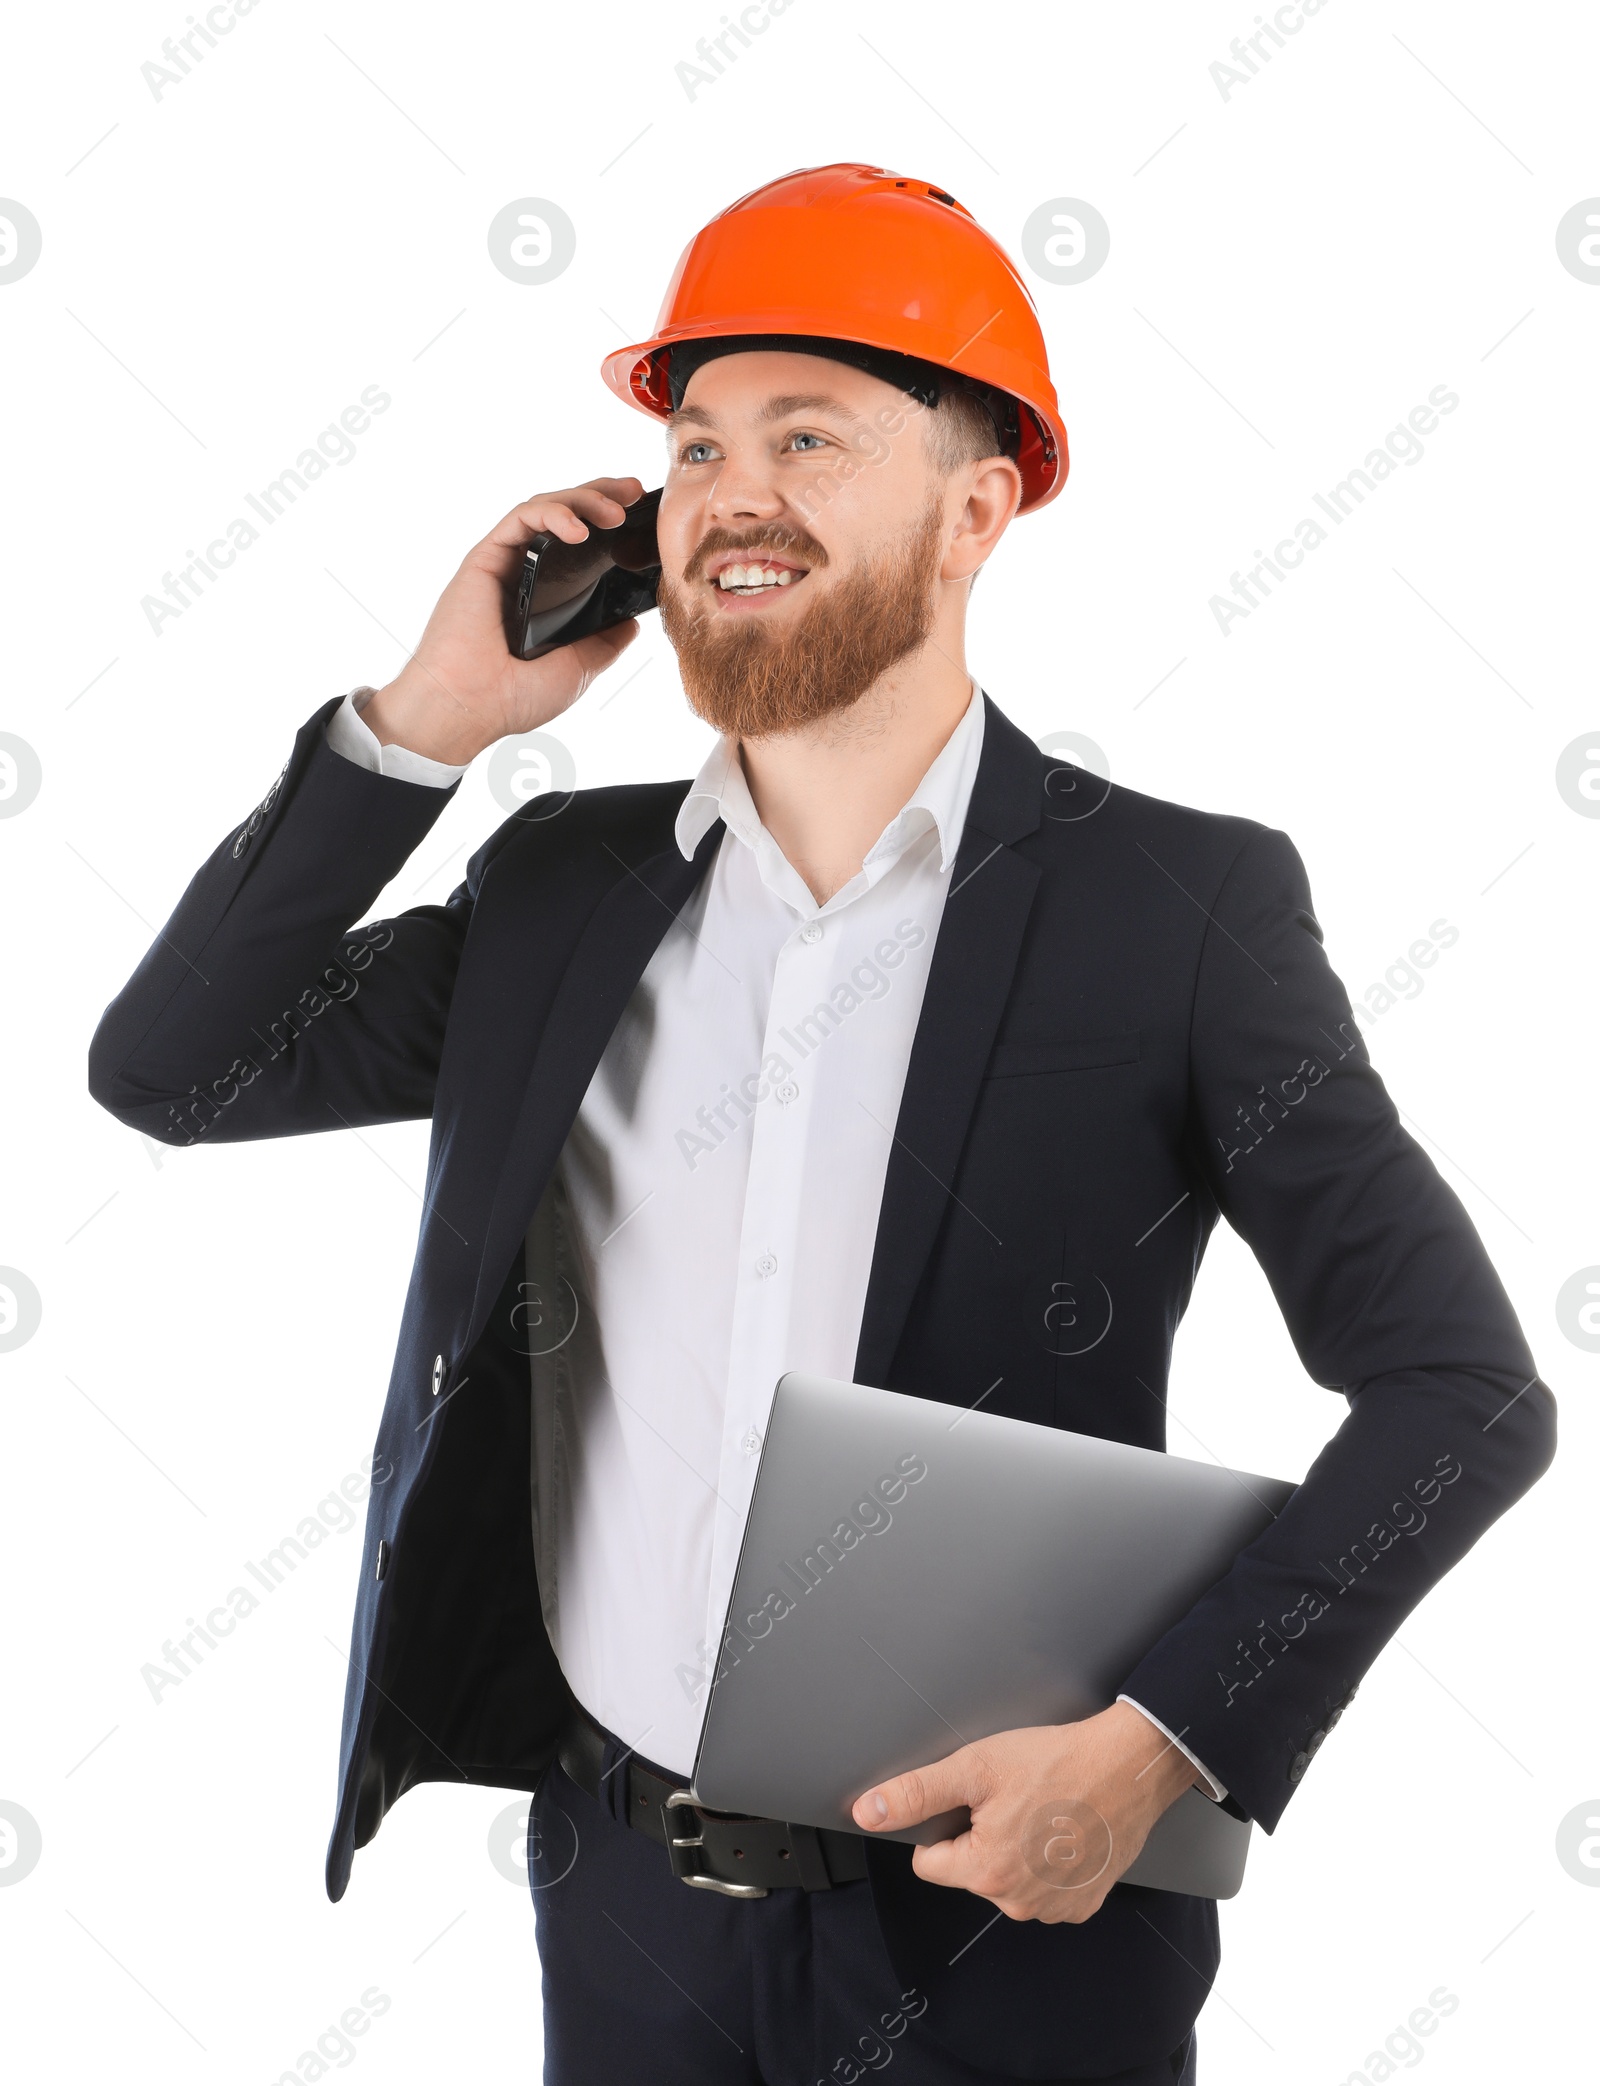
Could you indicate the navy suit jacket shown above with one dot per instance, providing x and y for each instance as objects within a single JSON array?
[{"x": 1130, "y": 1029}]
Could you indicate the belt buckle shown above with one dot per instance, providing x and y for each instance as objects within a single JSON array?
[{"x": 682, "y": 1851}]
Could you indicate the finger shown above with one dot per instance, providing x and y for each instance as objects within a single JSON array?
[
  {"x": 559, "y": 678},
  {"x": 1002, "y": 1874},
  {"x": 625, "y": 490},
  {"x": 954, "y": 1863},
  {"x": 551, "y": 513},
  {"x": 564, "y": 514},
  {"x": 604, "y": 501},
  {"x": 907, "y": 1799}
]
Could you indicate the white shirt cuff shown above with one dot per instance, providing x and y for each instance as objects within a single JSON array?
[
  {"x": 1214, "y": 1788},
  {"x": 356, "y": 741}
]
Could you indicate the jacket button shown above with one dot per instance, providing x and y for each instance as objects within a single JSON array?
[
  {"x": 240, "y": 845},
  {"x": 1298, "y": 1766},
  {"x": 1333, "y": 1715},
  {"x": 1315, "y": 1740},
  {"x": 438, "y": 1374},
  {"x": 383, "y": 1556}
]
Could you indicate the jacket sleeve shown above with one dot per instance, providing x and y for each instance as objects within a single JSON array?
[
  {"x": 1390, "y": 1299},
  {"x": 260, "y": 1010}
]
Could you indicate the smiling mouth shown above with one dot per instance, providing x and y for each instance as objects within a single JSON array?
[{"x": 755, "y": 576}]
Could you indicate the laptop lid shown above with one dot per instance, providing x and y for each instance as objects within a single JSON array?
[{"x": 916, "y": 1576}]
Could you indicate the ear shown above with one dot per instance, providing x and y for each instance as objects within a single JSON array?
[{"x": 988, "y": 494}]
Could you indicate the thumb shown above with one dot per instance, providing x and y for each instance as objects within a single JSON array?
[
  {"x": 547, "y": 686},
  {"x": 592, "y": 655},
  {"x": 960, "y": 1778}
]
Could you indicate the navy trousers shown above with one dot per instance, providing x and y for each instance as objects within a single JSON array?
[{"x": 649, "y": 1981}]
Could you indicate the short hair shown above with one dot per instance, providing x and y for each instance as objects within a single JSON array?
[{"x": 961, "y": 431}]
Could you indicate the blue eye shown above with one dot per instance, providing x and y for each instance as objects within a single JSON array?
[
  {"x": 695, "y": 452},
  {"x": 798, "y": 439}
]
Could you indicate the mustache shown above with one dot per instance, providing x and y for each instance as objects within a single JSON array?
[{"x": 778, "y": 537}]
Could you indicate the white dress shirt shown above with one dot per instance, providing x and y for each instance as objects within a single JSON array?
[{"x": 711, "y": 1221}]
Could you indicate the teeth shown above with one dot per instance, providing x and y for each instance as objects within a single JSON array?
[{"x": 751, "y": 579}]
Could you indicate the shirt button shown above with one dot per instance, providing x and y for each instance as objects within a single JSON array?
[
  {"x": 767, "y": 1264},
  {"x": 812, "y": 931},
  {"x": 751, "y": 1442},
  {"x": 438, "y": 1374},
  {"x": 789, "y": 1091}
]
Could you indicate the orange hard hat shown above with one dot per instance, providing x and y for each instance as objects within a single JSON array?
[{"x": 856, "y": 255}]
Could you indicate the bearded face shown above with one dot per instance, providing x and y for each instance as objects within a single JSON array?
[{"x": 757, "y": 674}]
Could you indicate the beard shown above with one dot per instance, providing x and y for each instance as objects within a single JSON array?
[{"x": 755, "y": 683}]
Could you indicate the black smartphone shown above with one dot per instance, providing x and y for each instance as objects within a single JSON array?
[{"x": 564, "y": 591}]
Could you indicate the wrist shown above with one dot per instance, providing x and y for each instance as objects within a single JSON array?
[
  {"x": 415, "y": 713},
  {"x": 1162, "y": 1770}
]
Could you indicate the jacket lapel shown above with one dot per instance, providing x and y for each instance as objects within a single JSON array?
[
  {"x": 622, "y": 935},
  {"x": 969, "y": 981}
]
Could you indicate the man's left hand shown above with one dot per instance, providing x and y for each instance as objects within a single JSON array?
[{"x": 1059, "y": 1811}]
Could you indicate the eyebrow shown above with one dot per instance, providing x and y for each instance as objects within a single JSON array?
[
  {"x": 806, "y": 402},
  {"x": 782, "y": 407}
]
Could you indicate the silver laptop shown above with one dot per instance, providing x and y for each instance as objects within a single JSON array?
[{"x": 915, "y": 1576}]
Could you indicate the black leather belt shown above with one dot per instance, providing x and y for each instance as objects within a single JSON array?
[{"x": 737, "y": 1856}]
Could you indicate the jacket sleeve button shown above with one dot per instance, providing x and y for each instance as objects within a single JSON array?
[
  {"x": 383, "y": 1556},
  {"x": 240, "y": 845},
  {"x": 438, "y": 1374},
  {"x": 1298, "y": 1766}
]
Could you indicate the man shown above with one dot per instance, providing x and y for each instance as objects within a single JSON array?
[{"x": 864, "y": 1053}]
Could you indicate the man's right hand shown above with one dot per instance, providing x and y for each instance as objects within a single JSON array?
[{"x": 462, "y": 689}]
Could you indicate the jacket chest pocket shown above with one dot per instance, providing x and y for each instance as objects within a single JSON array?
[{"x": 1010, "y": 1060}]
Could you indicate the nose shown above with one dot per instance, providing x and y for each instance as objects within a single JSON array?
[{"x": 745, "y": 494}]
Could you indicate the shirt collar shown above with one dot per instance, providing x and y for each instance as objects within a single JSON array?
[{"x": 939, "y": 801}]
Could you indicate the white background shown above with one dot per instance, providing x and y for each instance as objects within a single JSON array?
[{"x": 1293, "y": 270}]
